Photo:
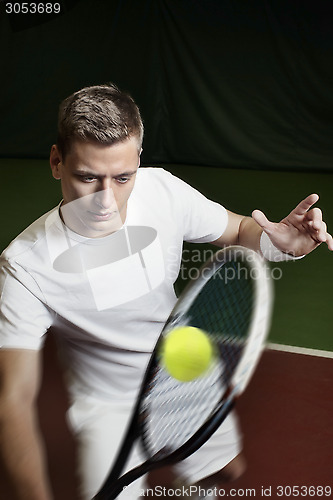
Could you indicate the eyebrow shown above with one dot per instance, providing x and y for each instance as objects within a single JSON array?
[{"x": 82, "y": 171}]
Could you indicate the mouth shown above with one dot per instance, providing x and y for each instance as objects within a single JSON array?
[{"x": 102, "y": 216}]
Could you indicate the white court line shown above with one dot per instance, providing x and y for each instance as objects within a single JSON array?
[{"x": 300, "y": 350}]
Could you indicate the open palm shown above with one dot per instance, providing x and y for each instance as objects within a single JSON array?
[{"x": 300, "y": 232}]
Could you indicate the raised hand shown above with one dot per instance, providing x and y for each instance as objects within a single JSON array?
[{"x": 300, "y": 232}]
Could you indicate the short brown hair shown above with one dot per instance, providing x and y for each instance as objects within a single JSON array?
[{"x": 102, "y": 114}]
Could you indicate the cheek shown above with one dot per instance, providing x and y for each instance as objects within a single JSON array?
[
  {"x": 122, "y": 194},
  {"x": 72, "y": 191},
  {"x": 128, "y": 192}
]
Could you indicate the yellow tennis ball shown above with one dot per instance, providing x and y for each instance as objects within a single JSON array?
[{"x": 187, "y": 353}]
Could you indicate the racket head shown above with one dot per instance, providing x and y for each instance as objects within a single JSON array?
[
  {"x": 238, "y": 279},
  {"x": 231, "y": 302}
]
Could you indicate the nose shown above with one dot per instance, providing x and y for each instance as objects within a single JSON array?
[{"x": 105, "y": 197}]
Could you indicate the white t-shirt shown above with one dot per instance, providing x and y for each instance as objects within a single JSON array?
[{"x": 106, "y": 298}]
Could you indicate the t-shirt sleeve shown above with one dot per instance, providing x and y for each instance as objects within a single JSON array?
[
  {"x": 24, "y": 318},
  {"x": 203, "y": 220}
]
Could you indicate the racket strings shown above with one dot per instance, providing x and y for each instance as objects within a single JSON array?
[
  {"x": 174, "y": 410},
  {"x": 224, "y": 310}
]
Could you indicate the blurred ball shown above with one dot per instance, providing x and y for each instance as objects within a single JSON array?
[{"x": 187, "y": 353}]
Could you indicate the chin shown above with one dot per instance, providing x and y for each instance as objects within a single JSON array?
[{"x": 103, "y": 229}]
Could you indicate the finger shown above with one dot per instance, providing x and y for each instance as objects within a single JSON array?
[
  {"x": 316, "y": 225},
  {"x": 322, "y": 232},
  {"x": 321, "y": 235},
  {"x": 305, "y": 204},
  {"x": 314, "y": 222},
  {"x": 329, "y": 241},
  {"x": 315, "y": 218},
  {"x": 325, "y": 237},
  {"x": 262, "y": 220}
]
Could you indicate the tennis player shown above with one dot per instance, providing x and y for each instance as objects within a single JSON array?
[{"x": 99, "y": 269}]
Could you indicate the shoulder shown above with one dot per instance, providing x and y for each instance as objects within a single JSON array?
[
  {"x": 158, "y": 180},
  {"x": 28, "y": 238},
  {"x": 154, "y": 175}
]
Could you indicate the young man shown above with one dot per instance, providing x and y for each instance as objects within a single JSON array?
[{"x": 100, "y": 269}]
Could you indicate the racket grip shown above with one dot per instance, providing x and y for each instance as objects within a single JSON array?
[{"x": 111, "y": 489}]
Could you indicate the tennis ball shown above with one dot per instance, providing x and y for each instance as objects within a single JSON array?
[{"x": 186, "y": 353}]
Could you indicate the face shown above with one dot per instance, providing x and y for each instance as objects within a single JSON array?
[{"x": 96, "y": 183}]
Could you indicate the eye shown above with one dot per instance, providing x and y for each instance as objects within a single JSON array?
[
  {"x": 87, "y": 178},
  {"x": 122, "y": 180}
]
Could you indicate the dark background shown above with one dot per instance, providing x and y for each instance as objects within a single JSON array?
[{"x": 227, "y": 83}]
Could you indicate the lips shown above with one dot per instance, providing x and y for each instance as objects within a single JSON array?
[{"x": 101, "y": 216}]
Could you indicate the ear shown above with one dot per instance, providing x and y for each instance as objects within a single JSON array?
[
  {"x": 140, "y": 157},
  {"x": 55, "y": 162}
]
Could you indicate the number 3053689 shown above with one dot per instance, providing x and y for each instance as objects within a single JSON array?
[
  {"x": 32, "y": 8},
  {"x": 304, "y": 491}
]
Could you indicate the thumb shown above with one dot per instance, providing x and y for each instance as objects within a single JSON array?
[{"x": 262, "y": 220}]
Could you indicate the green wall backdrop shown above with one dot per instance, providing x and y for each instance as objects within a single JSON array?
[
  {"x": 303, "y": 313},
  {"x": 231, "y": 83}
]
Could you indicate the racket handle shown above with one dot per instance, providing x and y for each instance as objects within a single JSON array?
[{"x": 111, "y": 489}]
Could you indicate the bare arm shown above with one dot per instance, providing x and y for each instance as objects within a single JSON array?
[
  {"x": 21, "y": 449},
  {"x": 299, "y": 233},
  {"x": 241, "y": 230}
]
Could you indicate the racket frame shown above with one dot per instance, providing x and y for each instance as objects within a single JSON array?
[{"x": 257, "y": 332}]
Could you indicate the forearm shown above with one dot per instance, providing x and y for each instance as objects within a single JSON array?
[
  {"x": 242, "y": 231},
  {"x": 245, "y": 231},
  {"x": 249, "y": 234},
  {"x": 22, "y": 453}
]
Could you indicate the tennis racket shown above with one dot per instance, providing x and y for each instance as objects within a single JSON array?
[{"x": 231, "y": 301}]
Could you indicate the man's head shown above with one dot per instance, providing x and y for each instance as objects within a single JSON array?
[
  {"x": 96, "y": 158},
  {"x": 101, "y": 114}
]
